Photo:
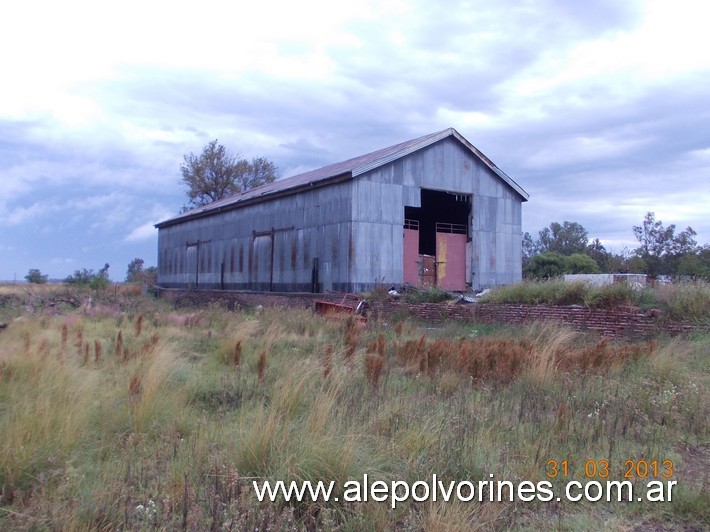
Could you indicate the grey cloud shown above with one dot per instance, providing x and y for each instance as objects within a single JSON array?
[{"x": 461, "y": 58}]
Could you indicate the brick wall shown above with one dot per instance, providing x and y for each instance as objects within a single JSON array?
[{"x": 618, "y": 322}]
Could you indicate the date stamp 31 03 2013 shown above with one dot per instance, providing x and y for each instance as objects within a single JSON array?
[{"x": 628, "y": 469}]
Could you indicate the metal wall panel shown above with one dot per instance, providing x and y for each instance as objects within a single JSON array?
[
  {"x": 312, "y": 224},
  {"x": 411, "y": 196},
  {"x": 494, "y": 253}
]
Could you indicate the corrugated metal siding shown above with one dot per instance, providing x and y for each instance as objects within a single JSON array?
[
  {"x": 312, "y": 224},
  {"x": 380, "y": 195},
  {"x": 354, "y": 228}
]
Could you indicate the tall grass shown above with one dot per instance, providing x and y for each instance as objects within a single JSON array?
[
  {"x": 38, "y": 431},
  {"x": 690, "y": 299},
  {"x": 685, "y": 300},
  {"x": 559, "y": 292},
  {"x": 552, "y": 345},
  {"x": 169, "y": 430}
]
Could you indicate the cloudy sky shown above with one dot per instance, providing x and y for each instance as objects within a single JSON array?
[{"x": 600, "y": 109}]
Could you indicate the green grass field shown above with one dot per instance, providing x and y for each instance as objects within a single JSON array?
[{"x": 132, "y": 415}]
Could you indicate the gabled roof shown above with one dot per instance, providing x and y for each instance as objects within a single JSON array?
[{"x": 338, "y": 172}]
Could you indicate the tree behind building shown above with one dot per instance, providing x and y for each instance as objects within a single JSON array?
[{"x": 216, "y": 174}]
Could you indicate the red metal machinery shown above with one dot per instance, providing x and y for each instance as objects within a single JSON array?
[{"x": 347, "y": 305}]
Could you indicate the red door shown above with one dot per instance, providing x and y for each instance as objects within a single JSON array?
[
  {"x": 410, "y": 267},
  {"x": 451, "y": 256}
]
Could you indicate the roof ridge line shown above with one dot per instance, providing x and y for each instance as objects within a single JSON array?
[
  {"x": 420, "y": 143},
  {"x": 343, "y": 168}
]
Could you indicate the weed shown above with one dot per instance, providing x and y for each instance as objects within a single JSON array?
[
  {"x": 398, "y": 327},
  {"x": 237, "y": 355},
  {"x": 352, "y": 337},
  {"x": 427, "y": 295},
  {"x": 26, "y": 341},
  {"x": 682, "y": 300},
  {"x": 134, "y": 388},
  {"x": 610, "y": 295},
  {"x": 690, "y": 300},
  {"x": 164, "y": 436},
  {"x": 65, "y": 333},
  {"x": 119, "y": 345},
  {"x": 79, "y": 342},
  {"x": 261, "y": 366},
  {"x": 43, "y": 348},
  {"x": 374, "y": 363},
  {"x": 327, "y": 361},
  {"x": 98, "y": 349}
]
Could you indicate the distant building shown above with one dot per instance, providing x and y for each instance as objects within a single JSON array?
[
  {"x": 429, "y": 211},
  {"x": 605, "y": 279}
]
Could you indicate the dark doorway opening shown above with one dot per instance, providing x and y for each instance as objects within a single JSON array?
[{"x": 438, "y": 207}]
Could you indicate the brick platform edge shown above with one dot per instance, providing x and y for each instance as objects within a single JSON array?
[{"x": 617, "y": 323}]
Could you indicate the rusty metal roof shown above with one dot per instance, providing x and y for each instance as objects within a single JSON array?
[{"x": 338, "y": 171}]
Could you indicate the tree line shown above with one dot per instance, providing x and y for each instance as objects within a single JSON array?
[
  {"x": 662, "y": 251},
  {"x": 558, "y": 249},
  {"x": 97, "y": 280}
]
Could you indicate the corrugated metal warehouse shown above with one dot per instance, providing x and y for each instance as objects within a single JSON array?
[{"x": 429, "y": 211}]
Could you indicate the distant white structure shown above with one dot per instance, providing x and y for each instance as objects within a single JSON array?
[{"x": 637, "y": 280}]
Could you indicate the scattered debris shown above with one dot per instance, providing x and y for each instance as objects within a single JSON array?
[
  {"x": 362, "y": 308},
  {"x": 350, "y": 304}
]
